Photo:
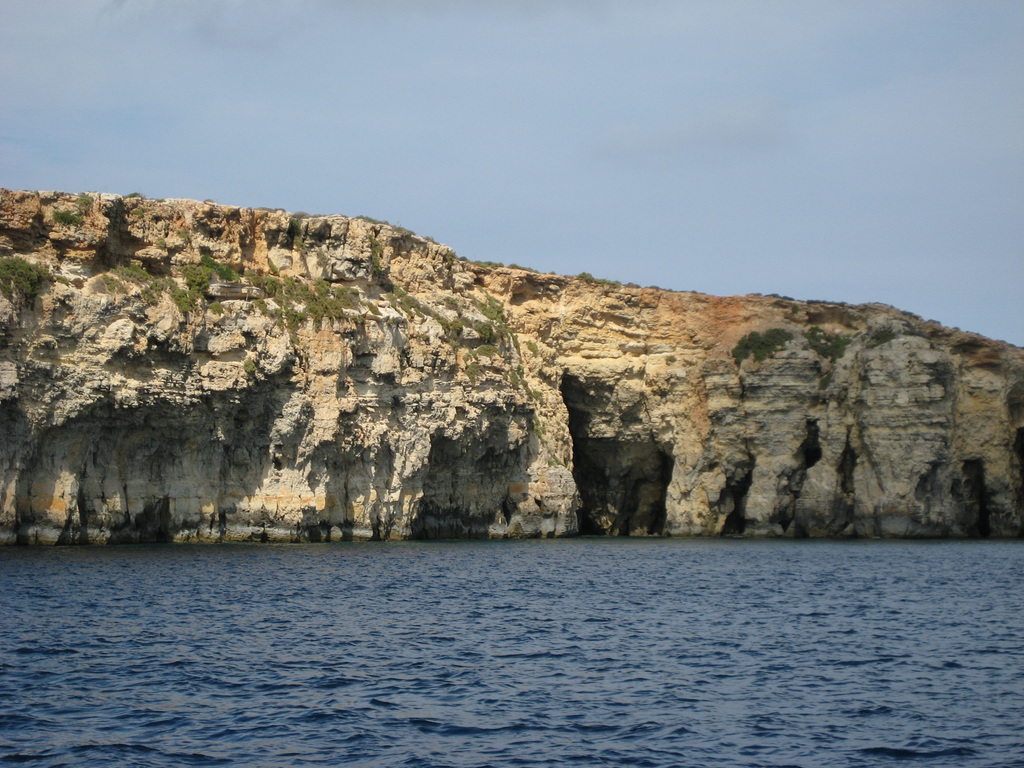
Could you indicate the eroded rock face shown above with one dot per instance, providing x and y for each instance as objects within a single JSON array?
[{"x": 197, "y": 372}]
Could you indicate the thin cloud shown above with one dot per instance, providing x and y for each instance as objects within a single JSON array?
[
  {"x": 234, "y": 25},
  {"x": 739, "y": 125}
]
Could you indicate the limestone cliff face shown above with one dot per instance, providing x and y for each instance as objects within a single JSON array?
[{"x": 188, "y": 371}]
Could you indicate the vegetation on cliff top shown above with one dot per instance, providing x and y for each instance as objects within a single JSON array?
[
  {"x": 760, "y": 345},
  {"x": 73, "y": 218},
  {"x": 831, "y": 346},
  {"x": 828, "y": 345}
]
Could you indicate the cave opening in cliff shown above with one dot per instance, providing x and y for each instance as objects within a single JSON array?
[
  {"x": 733, "y": 502},
  {"x": 843, "y": 509},
  {"x": 929, "y": 487},
  {"x": 811, "y": 447},
  {"x": 439, "y": 515},
  {"x": 153, "y": 524},
  {"x": 808, "y": 455},
  {"x": 623, "y": 477},
  {"x": 83, "y": 516},
  {"x": 846, "y": 469},
  {"x": 976, "y": 498},
  {"x": 455, "y": 504}
]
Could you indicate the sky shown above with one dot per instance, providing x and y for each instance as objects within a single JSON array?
[{"x": 857, "y": 151}]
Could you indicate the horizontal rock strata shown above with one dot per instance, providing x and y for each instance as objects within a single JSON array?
[{"x": 177, "y": 370}]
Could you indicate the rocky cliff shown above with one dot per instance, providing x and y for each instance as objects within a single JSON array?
[{"x": 177, "y": 370}]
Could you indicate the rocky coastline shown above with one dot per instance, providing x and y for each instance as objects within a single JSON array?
[{"x": 175, "y": 370}]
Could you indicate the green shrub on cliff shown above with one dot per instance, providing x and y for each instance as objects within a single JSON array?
[
  {"x": 493, "y": 309},
  {"x": 496, "y": 326},
  {"x": 223, "y": 271},
  {"x": 153, "y": 290},
  {"x": 300, "y": 302},
  {"x": 881, "y": 337},
  {"x": 589, "y": 278},
  {"x": 183, "y": 299},
  {"x": 487, "y": 350},
  {"x": 68, "y": 218},
  {"x": 408, "y": 304},
  {"x": 269, "y": 284},
  {"x": 827, "y": 344},
  {"x": 133, "y": 273},
  {"x": 830, "y": 345},
  {"x": 73, "y": 218},
  {"x": 21, "y": 278},
  {"x": 486, "y": 332},
  {"x": 376, "y": 257},
  {"x": 760, "y": 345},
  {"x": 452, "y": 328},
  {"x": 330, "y": 302},
  {"x": 196, "y": 278}
]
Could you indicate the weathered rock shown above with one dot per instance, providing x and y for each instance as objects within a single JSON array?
[
  {"x": 220, "y": 290},
  {"x": 363, "y": 383}
]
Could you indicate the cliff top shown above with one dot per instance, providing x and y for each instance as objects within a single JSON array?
[{"x": 93, "y": 241}]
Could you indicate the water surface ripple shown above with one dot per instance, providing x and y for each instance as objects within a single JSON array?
[{"x": 585, "y": 652}]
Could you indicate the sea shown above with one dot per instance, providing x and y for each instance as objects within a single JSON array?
[{"x": 569, "y": 652}]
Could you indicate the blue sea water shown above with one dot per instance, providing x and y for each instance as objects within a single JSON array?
[{"x": 583, "y": 652}]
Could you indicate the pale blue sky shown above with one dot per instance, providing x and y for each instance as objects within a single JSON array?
[{"x": 853, "y": 151}]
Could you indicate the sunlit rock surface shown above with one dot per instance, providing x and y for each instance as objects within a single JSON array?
[{"x": 196, "y": 372}]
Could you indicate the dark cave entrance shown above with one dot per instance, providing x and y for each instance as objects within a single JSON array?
[
  {"x": 465, "y": 487},
  {"x": 811, "y": 447},
  {"x": 622, "y": 480},
  {"x": 83, "y": 516},
  {"x": 976, "y": 498},
  {"x": 733, "y": 503},
  {"x": 153, "y": 524},
  {"x": 843, "y": 502},
  {"x": 846, "y": 469},
  {"x": 808, "y": 455},
  {"x": 439, "y": 515}
]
